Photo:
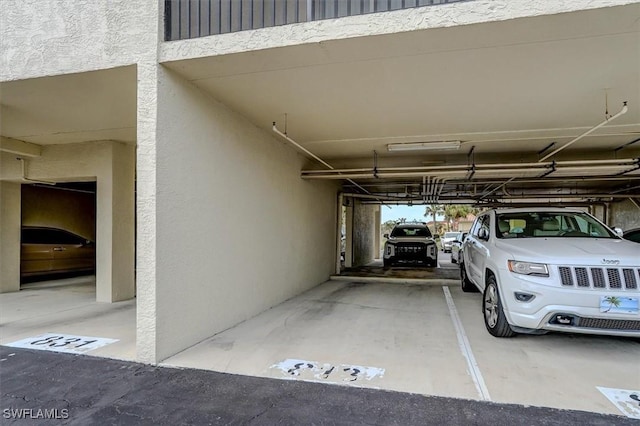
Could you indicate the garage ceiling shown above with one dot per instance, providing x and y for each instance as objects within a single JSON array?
[
  {"x": 506, "y": 90},
  {"x": 71, "y": 108}
]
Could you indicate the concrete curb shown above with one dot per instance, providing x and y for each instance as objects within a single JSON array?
[{"x": 426, "y": 281}]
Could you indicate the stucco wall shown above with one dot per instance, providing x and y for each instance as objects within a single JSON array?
[
  {"x": 237, "y": 229},
  {"x": 412, "y": 19},
  {"x": 625, "y": 215},
  {"x": 48, "y": 37},
  {"x": 364, "y": 233}
]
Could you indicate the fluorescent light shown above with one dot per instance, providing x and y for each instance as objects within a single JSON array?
[{"x": 424, "y": 146}]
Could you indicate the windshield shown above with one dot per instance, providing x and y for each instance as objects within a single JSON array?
[
  {"x": 550, "y": 225},
  {"x": 451, "y": 234},
  {"x": 410, "y": 232}
]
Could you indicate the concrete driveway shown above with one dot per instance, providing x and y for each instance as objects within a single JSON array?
[{"x": 427, "y": 339}]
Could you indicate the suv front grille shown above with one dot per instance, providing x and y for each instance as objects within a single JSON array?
[
  {"x": 594, "y": 277},
  {"x": 595, "y": 323},
  {"x": 410, "y": 248}
]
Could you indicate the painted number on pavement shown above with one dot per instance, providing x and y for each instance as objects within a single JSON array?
[
  {"x": 627, "y": 401},
  {"x": 315, "y": 371},
  {"x": 58, "y": 342}
]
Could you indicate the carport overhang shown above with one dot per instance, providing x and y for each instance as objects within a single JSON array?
[{"x": 512, "y": 92}]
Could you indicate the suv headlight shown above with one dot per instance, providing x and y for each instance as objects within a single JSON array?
[{"x": 528, "y": 268}]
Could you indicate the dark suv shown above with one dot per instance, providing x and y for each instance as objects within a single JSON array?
[{"x": 410, "y": 242}]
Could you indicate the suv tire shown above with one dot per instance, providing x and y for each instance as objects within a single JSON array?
[{"x": 494, "y": 318}]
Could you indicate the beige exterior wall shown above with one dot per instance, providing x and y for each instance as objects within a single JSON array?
[
  {"x": 236, "y": 229},
  {"x": 50, "y": 37},
  {"x": 398, "y": 21}
]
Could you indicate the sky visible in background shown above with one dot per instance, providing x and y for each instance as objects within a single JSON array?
[{"x": 410, "y": 213}]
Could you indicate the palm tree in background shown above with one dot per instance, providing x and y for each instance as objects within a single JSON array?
[
  {"x": 434, "y": 210},
  {"x": 453, "y": 213}
]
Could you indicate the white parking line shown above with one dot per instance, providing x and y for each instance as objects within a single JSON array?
[{"x": 465, "y": 348}]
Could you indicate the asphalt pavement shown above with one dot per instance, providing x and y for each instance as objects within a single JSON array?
[{"x": 83, "y": 390}]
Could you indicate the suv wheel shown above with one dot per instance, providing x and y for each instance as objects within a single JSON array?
[
  {"x": 494, "y": 318},
  {"x": 467, "y": 285},
  {"x": 386, "y": 263}
]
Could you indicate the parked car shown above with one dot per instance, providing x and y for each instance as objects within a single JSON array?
[
  {"x": 632, "y": 235},
  {"x": 447, "y": 240},
  {"x": 410, "y": 242},
  {"x": 45, "y": 251},
  {"x": 456, "y": 247},
  {"x": 552, "y": 269}
]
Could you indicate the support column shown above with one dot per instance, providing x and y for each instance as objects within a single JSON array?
[
  {"x": 115, "y": 227},
  {"x": 348, "y": 255},
  {"x": 378, "y": 230},
  {"x": 9, "y": 237}
]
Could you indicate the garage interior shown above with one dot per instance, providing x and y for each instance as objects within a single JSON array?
[
  {"x": 529, "y": 111},
  {"x": 67, "y": 161},
  {"x": 495, "y": 114}
]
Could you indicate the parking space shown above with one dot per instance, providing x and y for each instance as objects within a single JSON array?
[
  {"x": 64, "y": 315},
  {"x": 409, "y": 337}
]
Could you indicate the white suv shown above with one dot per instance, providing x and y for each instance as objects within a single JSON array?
[{"x": 552, "y": 269}]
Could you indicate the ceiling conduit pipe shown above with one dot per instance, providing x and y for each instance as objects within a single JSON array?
[
  {"x": 311, "y": 154},
  {"x": 593, "y": 129}
]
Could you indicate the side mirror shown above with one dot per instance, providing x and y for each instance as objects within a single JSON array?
[
  {"x": 386, "y": 235},
  {"x": 436, "y": 236},
  {"x": 483, "y": 234},
  {"x": 618, "y": 231}
]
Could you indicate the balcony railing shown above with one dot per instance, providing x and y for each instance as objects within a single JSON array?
[{"x": 198, "y": 18}]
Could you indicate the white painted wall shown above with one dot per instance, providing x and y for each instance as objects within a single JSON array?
[
  {"x": 112, "y": 165},
  {"x": 49, "y": 37},
  {"x": 237, "y": 229}
]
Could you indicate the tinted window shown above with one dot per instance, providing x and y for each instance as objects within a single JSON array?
[
  {"x": 410, "y": 232},
  {"x": 49, "y": 236},
  {"x": 633, "y": 236},
  {"x": 550, "y": 224}
]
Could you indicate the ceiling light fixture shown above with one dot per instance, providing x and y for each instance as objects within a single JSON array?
[{"x": 425, "y": 146}]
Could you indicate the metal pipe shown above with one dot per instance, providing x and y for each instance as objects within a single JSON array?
[
  {"x": 593, "y": 129},
  {"x": 453, "y": 170},
  {"x": 311, "y": 154}
]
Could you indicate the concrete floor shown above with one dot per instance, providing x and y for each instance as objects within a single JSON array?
[
  {"x": 376, "y": 335},
  {"x": 407, "y": 330},
  {"x": 69, "y": 306}
]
